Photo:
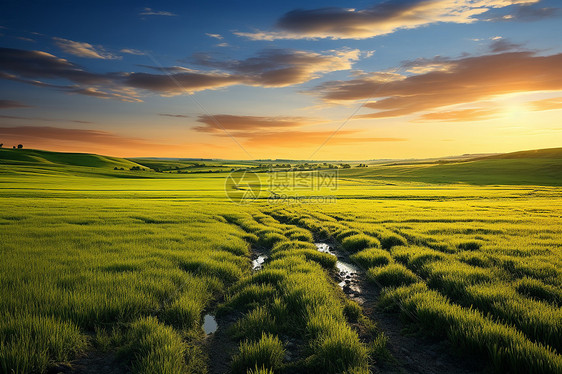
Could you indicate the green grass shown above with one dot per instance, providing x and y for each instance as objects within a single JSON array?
[
  {"x": 372, "y": 257},
  {"x": 30, "y": 343},
  {"x": 391, "y": 275},
  {"x": 355, "y": 243},
  {"x": 130, "y": 261},
  {"x": 265, "y": 353}
]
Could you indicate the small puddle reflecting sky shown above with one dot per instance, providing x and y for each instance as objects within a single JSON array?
[
  {"x": 209, "y": 324},
  {"x": 345, "y": 269},
  {"x": 258, "y": 262}
]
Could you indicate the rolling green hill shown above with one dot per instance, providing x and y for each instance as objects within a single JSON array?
[
  {"x": 553, "y": 153},
  {"x": 47, "y": 158}
]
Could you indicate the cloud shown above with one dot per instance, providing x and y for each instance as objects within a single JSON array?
[
  {"x": 123, "y": 95},
  {"x": 132, "y": 51},
  {"x": 7, "y": 104},
  {"x": 43, "y": 119},
  {"x": 222, "y": 45},
  {"x": 174, "y": 115},
  {"x": 527, "y": 13},
  {"x": 284, "y": 67},
  {"x": 503, "y": 45},
  {"x": 296, "y": 138},
  {"x": 547, "y": 104},
  {"x": 85, "y": 50},
  {"x": 151, "y": 12},
  {"x": 464, "y": 115},
  {"x": 30, "y": 66},
  {"x": 216, "y": 36},
  {"x": 467, "y": 80},
  {"x": 425, "y": 65},
  {"x": 380, "y": 19},
  {"x": 34, "y": 133},
  {"x": 270, "y": 68},
  {"x": 181, "y": 83},
  {"x": 218, "y": 122},
  {"x": 35, "y": 64},
  {"x": 25, "y": 39}
]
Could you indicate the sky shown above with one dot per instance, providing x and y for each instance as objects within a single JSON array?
[{"x": 323, "y": 79}]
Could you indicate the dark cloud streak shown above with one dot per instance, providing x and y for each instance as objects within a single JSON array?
[{"x": 8, "y": 104}]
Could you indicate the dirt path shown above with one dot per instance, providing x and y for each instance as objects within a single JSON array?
[
  {"x": 93, "y": 362},
  {"x": 220, "y": 346},
  {"x": 412, "y": 353}
]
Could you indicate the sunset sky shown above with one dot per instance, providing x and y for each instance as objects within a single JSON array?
[{"x": 258, "y": 79}]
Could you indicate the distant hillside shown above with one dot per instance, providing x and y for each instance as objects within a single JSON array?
[
  {"x": 538, "y": 167},
  {"x": 45, "y": 158},
  {"x": 535, "y": 153}
]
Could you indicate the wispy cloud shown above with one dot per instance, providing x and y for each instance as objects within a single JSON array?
[
  {"x": 547, "y": 104},
  {"x": 152, "y": 12},
  {"x": 30, "y": 66},
  {"x": 58, "y": 133},
  {"x": 526, "y": 13},
  {"x": 503, "y": 45},
  {"x": 174, "y": 115},
  {"x": 132, "y": 51},
  {"x": 25, "y": 39},
  {"x": 464, "y": 115},
  {"x": 216, "y": 36},
  {"x": 8, "y": 104},
  {"x": 85, "y": 50},
  {"x": 218, "y": 122},
  {"x": 382, "y": 18},
  {"x": 43, "y": 119}
]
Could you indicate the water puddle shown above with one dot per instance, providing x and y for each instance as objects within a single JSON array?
[
  {"x": 257, "y": 264},
  {"x": 323, "y": 247},
  {"x": 209, "y": 324},
  {"x": 348, "y": 273}
]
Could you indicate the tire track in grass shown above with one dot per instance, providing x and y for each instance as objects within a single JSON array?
[
  {"x": 411, "y": 353},
  {"x": 292, "y": 298}
]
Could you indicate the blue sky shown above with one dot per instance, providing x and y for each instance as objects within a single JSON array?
[{"x": 184, "y": 79}]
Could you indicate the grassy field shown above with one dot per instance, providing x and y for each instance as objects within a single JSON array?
[{"x": 121, "y": 266}]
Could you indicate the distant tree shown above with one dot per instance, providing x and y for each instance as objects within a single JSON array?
[
  {"x": 116, "y": 168},
  {"x": 14, "y": 147},
  {"x": 1, "y": 145},
  {"x": 20, "y": 146}
]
